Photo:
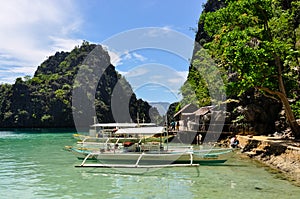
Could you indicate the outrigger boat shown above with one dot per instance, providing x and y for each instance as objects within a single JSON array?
[
  {"x": 143, "y": 154},
  {"x": 101, "y": 137},
  {"x": 160, "y": 158}
]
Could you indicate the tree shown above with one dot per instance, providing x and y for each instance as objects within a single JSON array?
[
  {"x": 204, "y": 85},
  {"x": 256, "y": 39}
]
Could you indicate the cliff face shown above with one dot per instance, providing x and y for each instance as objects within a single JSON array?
[
  {"x": 251, "y": 112},
  {"x": 210, "y": 6},
  {"x": 45, "y": 100}
]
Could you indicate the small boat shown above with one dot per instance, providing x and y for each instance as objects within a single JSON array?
[
  {"x": 116, "y": 143},
  {"x": 159, "y": 158},
  {"x": 147, "y": 154}
]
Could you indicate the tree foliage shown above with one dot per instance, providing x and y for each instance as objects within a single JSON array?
[
  {"x": 257, "y": 40},
  {"x": 203, "y": 86}
]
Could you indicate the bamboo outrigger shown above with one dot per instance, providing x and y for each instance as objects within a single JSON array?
[{"x": 151, "y": 154}]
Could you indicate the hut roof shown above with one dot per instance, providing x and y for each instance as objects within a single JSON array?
[
  {"x": 189, "y": 108},
  {"x": 203, "y": 110}
]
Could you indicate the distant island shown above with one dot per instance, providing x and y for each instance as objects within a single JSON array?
[
  {"x": 162, "y": 107},
  {"x": 45, "y": 100}
]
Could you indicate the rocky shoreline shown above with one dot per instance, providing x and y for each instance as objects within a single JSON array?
[{"x": 280, "y": 154}]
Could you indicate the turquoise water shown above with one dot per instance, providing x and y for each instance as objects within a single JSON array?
[{"x": 34, "y": 165}]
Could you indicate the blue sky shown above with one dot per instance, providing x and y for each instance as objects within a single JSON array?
[{"x": 32, "y": 30}]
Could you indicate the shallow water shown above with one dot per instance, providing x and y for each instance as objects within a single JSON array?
[{"x": 35, "y": 165}]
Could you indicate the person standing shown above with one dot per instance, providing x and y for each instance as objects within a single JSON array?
[
  {"x": 177, "y": 126},
  {"x": 173, "y": 124}
]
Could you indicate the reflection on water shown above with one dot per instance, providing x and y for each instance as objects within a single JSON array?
[{"x": 36, "y": 166}]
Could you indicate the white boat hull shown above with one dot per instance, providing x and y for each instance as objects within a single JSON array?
[{"x": 159, "y": 158}]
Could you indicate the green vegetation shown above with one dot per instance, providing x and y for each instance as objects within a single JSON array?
[
  {"x": 45, "y": 100},
  {"x": 257, "y": 42}
]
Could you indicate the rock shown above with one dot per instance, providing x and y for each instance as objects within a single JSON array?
[{"x": 281, "y": 155}]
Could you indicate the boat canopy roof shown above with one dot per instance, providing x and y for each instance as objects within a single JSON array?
[
  {"x": 141, "y": 130},
  {"x": 122, "y": 125}
]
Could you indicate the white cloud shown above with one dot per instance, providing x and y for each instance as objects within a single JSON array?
[
  {"x": 183, "y": 74},
  {"x": 127, "y": 55},
  {"x": 137, "y": 72},
  {"x": 64, "y": 44},
  {"x": 118, "y": 58},
  {"x": 23, "y": 69},
  {"x": 139, "y": 57},
  {"x": 155, "y": 77},
  {"x": 175, "y": 80},
  {"x": 133, "y": 56},
  {"x": 31, "y": 30},
  {"x": 157, "y": 32},
  {"x": 115, "y": 58},
  {"x": 8, "y": 79}
]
